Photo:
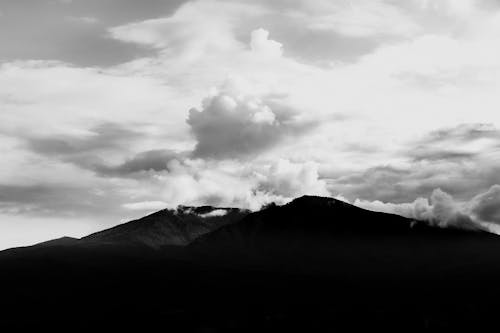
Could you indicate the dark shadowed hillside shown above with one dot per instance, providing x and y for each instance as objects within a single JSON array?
[
  {"x": 169, "y": 227},
  {"x": 315, "y": 264}
]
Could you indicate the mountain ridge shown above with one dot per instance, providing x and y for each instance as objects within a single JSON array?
[
  {"x": 314, "y": 262},
  {"x": 185, "y": 224},
  {"x": 168, "y": 226}
]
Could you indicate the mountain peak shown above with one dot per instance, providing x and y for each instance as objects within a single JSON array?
[
  {"x": 313, "y": 201},
  {"x": 169, "y": 227},
  {"x": 308, "y": 203}
]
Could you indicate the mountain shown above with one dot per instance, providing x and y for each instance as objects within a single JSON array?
[
  {"x": 169, "y": 227},
  {"x": 314, "y": 264},
  {"x": 328, "y": 236}
]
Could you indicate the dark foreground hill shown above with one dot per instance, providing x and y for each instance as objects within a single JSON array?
[{"x": 315, "y": 264}]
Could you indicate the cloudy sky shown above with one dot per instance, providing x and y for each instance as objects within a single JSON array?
[{"x": 111, "y": 109}]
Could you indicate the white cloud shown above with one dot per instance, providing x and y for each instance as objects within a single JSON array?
[
  {"x": 292, "y": 180},
  {"x": 197, "y": 28},
  {"x": 215, "y": 212},
  {"x": 443, "y": 210},
  {"x": 145, "y": 205},
  {"x": 357, "y": 19},
  {"x": 229, "y": 183},
  {"x": 198, "y": 182},
  {"x": 262, "y": 45}
]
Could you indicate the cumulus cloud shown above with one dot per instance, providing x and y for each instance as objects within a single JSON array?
[
  {"x": 486, "y": 206},
  {"x": 441, "y": 209},
  {"x": 293, "y": 179},
  {"x": 262, "y": 45},
  {"x": 234, "y": 124},
  {"x": 231, "y": 184}
]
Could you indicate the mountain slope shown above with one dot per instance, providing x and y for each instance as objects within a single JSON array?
[
  {"x": 315, "y": 264},
  {"x": 169, "y": 227},
  {"x": 324, "y": 235}
]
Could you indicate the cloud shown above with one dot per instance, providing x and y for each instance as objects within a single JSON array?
[
  {"x": 480, "y": 212},
  {"x": 90, "y": 150},
  {"x": 462, "y": 179},
  {"x": 441, "y": 155},
  {"x": 364, "y": 19},
  {"x": 52, "y": 199},
  {"x": 195, "y": 27},
  {"x": 148, "y": 161},
  {"x": 293, "y": 179},
  {"x": 464, "y": 133},
  {"x": 145, "y": 205},
  {"x": 458, "y": 8},
  {"x": 486, "y": 206},
  {"x": 262, "y": 45},
  {"x": 215, "y": 212},
  {"x": 104, "y": 137},
  {"x": 233, "y": 124},
  {"x": 461, "y": 160},
  {"x": 77, "y": 98},
  {"x": 464, "y": 142},
  {"x": 82, "y": 19},
  {"x": 228, "y": 183}
]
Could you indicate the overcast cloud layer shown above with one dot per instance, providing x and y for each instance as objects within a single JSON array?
[{"x": 110, "y": 109}]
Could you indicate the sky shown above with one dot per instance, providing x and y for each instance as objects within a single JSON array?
[{"x": 112, "y": 109}]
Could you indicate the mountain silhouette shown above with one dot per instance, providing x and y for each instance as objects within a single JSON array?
[
  {"x": 169, "y": 227},
  {"x": 333, "y": 237},
  {"x": 312, "y": 264}
]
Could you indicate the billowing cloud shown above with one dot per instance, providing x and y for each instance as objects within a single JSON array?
[
  {"x": 232, "y": 124},
  {"x": 261, "y": 44},
  {"x": 194, "y": 28},
  {"x": 486, "y": 206},
  {"x": 292, "y": 179},
  {"x": 231, "y": 184},
  {"x": 461, "y": 160},
  {"x": 480, "y": 212}
]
